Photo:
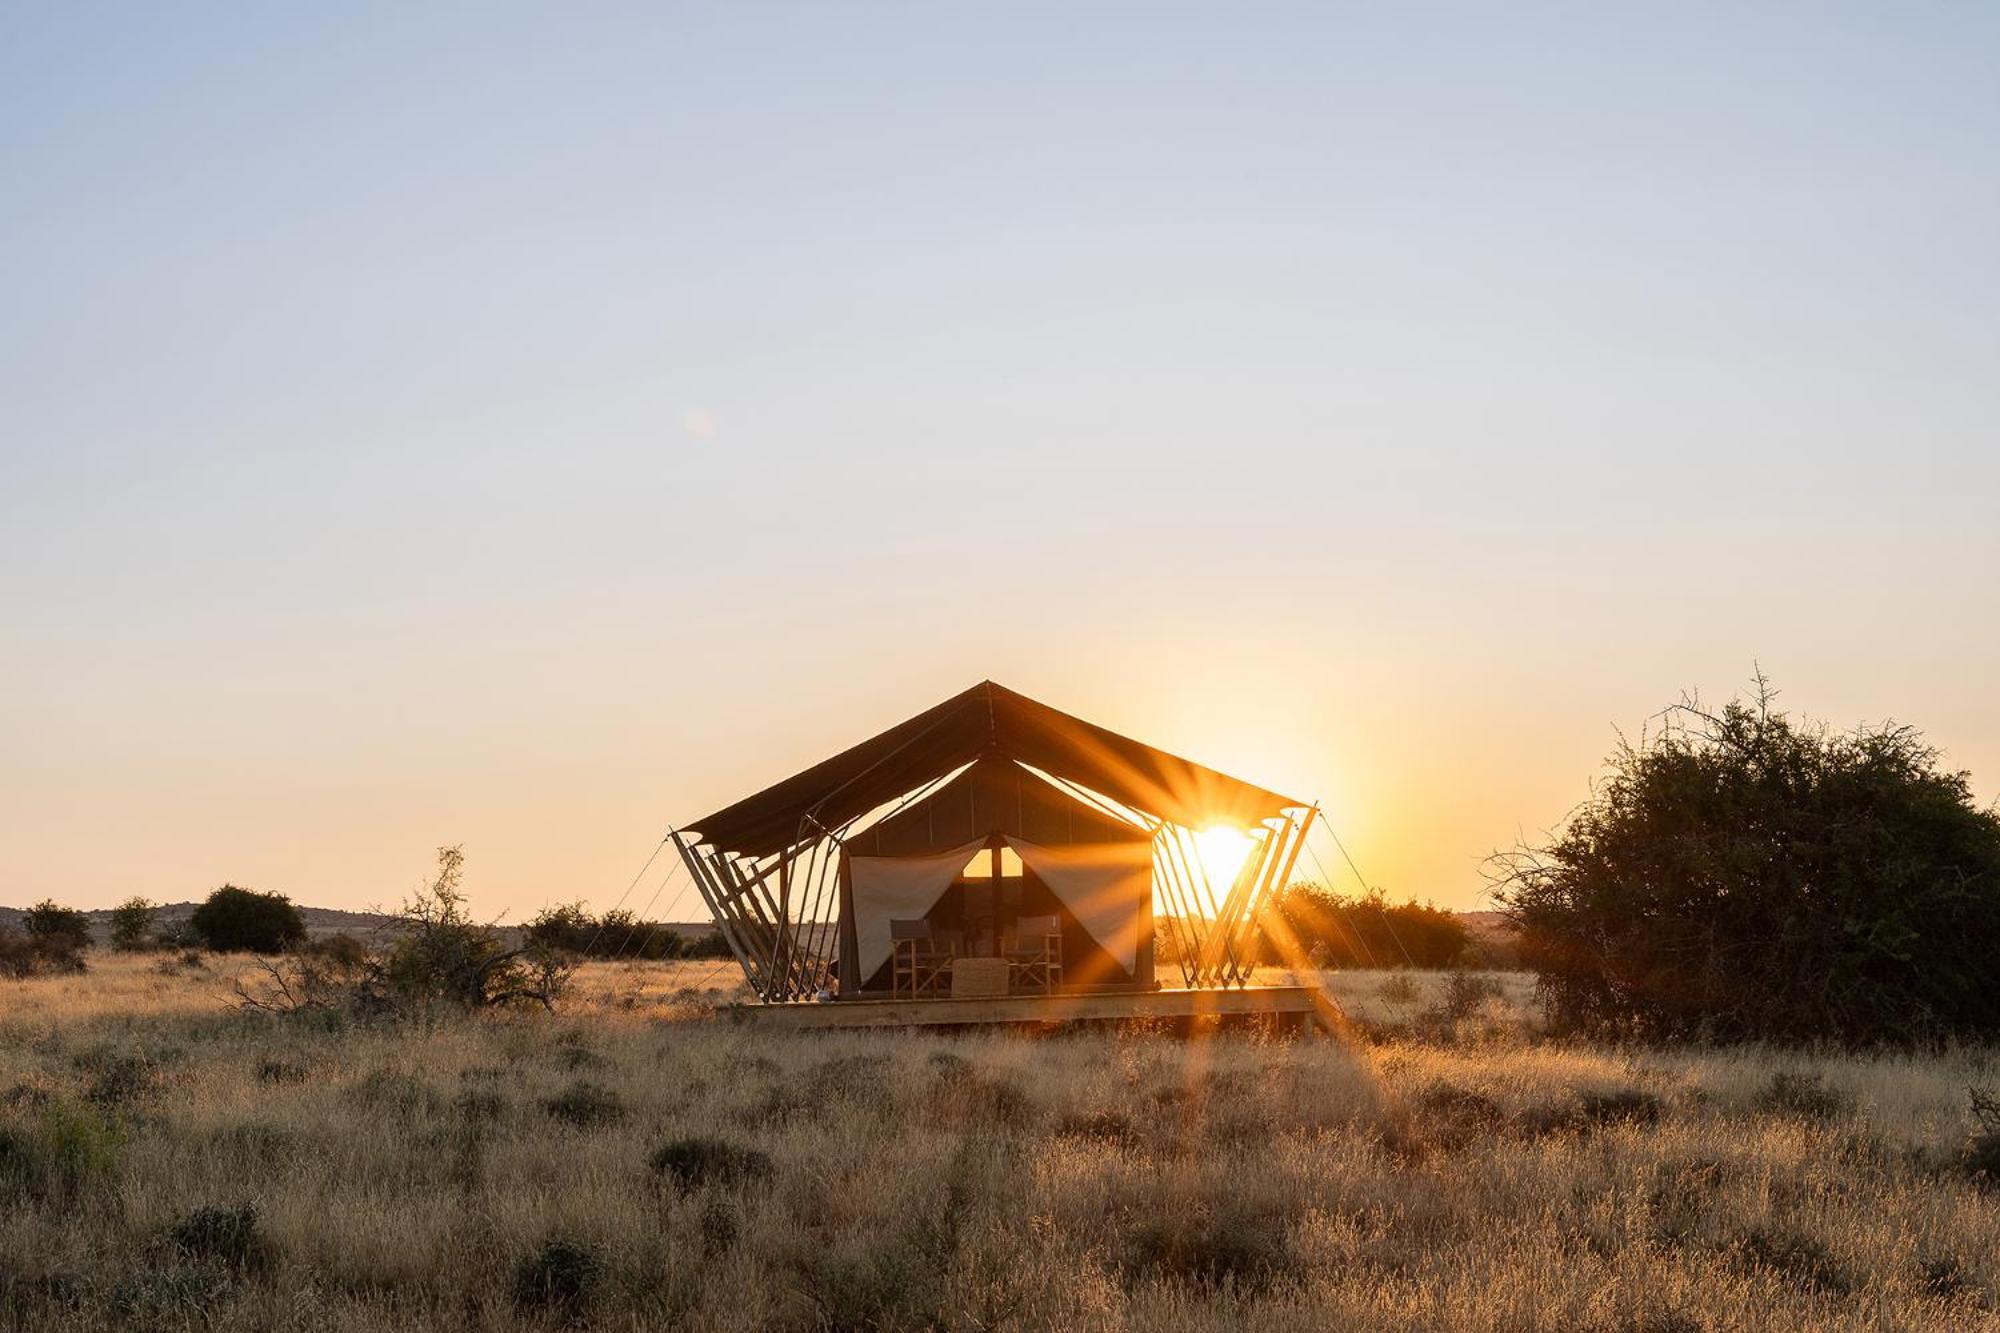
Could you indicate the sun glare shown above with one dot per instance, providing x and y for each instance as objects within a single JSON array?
[{"x": 1222, "y": 850}]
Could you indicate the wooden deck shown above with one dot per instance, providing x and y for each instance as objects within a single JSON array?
[{"x": 1299, "y": 1005}]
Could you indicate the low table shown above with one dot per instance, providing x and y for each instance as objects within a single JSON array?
[{"x": 979, "y": 978}]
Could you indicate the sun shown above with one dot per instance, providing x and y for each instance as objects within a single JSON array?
[{"x": 1222, "y": 850}]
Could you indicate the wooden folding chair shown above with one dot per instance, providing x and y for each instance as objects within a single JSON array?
[
  {"x": 920, "y": 958},
  {"x": 1036, "y": 952}
]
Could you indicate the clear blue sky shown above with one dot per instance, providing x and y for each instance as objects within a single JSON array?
[{"x": 527, "y": 425}]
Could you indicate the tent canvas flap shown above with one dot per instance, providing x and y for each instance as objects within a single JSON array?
[
  {"x": 897, "y": 888},
  {"x": 1107, "y": 887}
]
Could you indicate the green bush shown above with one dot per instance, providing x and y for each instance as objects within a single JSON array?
[
  {"x": 64, "y": 1149},
  {"x": 571, "y": 928},
  {"x": 1737, "y": 876},
  {"x": 132, "y": 925},
  {"x": 235, "y": 920}
]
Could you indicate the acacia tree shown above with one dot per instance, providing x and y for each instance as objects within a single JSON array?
[
  {"x": 56, "y": 926},
  {"x": 132, "y": 924},
  {"x": 1739, "y": 876}
]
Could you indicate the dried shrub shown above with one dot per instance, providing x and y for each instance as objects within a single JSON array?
[
  {"x": 1982, "y": 1155},
  {"x": 696, "y": 1161},
  {"x": 1593, "y": 1110},
  {"x": 1804, "y": 1096},
  {"x": 560, "y": 1278},
  {"x": 175, "y": 1296},
  {"x": 1453, "y": 1116},
  {"x": 118, "y": 1078},
  {"x": 224, "y": 1234},
  {"x": 861, "y": 1081},
  {"x": 1105, "y": 1126},
  {"x": 1398, "y": 989},
  {"x": 965, "y": 1095},
  {"x": 1621, "y": 1106},
  {"x": 23, "y": 956},
  {"x": 1211, "y": 1248},
  {"x": 394, "y": 1091},
  {"x": 1798, "y": 1259},
  {"x": 1945, "y": 1278},
  {"x": 586, "y": 1105}
]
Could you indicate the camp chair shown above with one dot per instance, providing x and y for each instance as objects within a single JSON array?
[
  {"x": 1036, "y": 952},
  {"x": 920, "y": 957}
]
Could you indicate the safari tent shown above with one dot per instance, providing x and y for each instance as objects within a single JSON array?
[{"x": 991, "y": 846}]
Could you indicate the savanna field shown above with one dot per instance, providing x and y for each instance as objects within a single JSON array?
[{"x": 168, "y": 1160}]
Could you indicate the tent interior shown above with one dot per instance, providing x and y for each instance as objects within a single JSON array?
[{"x": 995, "y": 846}]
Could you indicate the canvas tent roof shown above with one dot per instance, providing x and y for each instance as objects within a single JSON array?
[
  {"x": 987, "y": 719},
  {"x": 995, "y": 795}
]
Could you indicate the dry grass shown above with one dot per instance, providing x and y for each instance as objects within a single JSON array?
[{"x": 1461, "y": 1176}]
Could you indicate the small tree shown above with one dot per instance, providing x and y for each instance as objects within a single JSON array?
[
  {"x": 444, "y": 955},
  {"x": 132, "y": 924},
  {"x": 566, "y": 926},
  {"x": 235, "y": 920},
  {"x": 1739, "y": 876},
  {"x": 56, "y": 926}
]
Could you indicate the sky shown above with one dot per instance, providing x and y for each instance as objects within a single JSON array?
[{"x": 528, "y": 427}]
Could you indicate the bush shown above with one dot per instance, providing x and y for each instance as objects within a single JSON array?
[
  {"x": 1740, "y": 877},
  {"x": 1982, "y": 1155},
  {"x": 1369, "y": 931},
  {"x": 62, "y": 1150},
  {"x": 132, "y": 925},
  {"x": 340, "y": 951},
  {"x": 586, "y": 1105},
  {"x": 50, "y": 922},
  {"x": 23, "y": 956},
  {"x": 223, "y": 1234},
  {"x": 560, "y": 1278},
  {"x": 180, "y": 1296},
  {"x": 697, "y": 1161},
  {"x": 235, "y": 920},
  {"x": 1804, "y": 1096},
  {"x": 570, "y": 928},
  {"x": 1210, "y": 1250},
  {"x": 442, "y": 954}
]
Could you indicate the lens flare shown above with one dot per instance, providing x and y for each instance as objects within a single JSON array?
[{"x": 1222, "y": 850}]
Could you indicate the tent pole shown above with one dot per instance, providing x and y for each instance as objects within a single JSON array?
[{"x": 718, "y": 907}]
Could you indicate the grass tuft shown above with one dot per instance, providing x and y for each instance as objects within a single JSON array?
[
  {"x": 586, "y": 1105},
  {"x": 696, "y": 1161},
  {"x": 225, "y": 1234},
  {"x": 561, "y": 1278},
  {"x": 1804, "y": 1096}
]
